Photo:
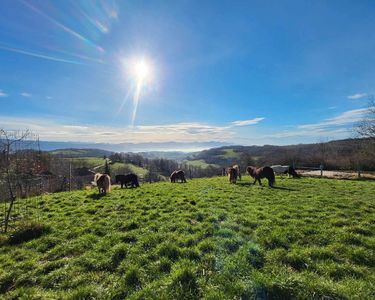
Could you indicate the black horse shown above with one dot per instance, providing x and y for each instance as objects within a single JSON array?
[{"x": 131, "y": 179}]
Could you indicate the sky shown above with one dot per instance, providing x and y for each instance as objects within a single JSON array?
[{"x": 238, "y": 72}]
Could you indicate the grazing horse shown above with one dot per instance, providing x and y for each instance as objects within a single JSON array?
[
  {"x": 103, "y": 182},
  {"x": 232, "y": 175},
  {"x": 177, "y": 175},
  {"x": 237, "y": 167},
  {"x": 279, "y": 169},
  {"x": 258, "y": 173},
  {"x": 131, "y": 179}
]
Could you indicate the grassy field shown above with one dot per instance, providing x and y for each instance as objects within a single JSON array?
[
  {"x": 306, "y": 239},
  {"x": 200, "y": 163},
  {"x": 230, "y": 153},
  {"x": 114, "y": 167}
]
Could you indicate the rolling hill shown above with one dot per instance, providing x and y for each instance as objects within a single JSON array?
[{"x": 306, "y": 239}]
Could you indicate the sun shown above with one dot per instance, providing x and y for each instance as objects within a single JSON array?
[{"x": 142, "y": 70}]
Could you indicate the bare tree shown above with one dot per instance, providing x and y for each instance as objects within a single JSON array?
[
  {"x": 16, "y": 163},
  {"x": 366, "y": 127}
]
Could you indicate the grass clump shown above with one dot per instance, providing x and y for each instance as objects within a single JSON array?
[{"x": 184, "y": 283}]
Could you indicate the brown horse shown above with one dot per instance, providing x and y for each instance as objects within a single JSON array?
[
  {"x": 103, "y": 182},
  {"x": 232, "y": 175},
  {"x": 177, "y": 175},
  {"x": 258, "y": 173}
]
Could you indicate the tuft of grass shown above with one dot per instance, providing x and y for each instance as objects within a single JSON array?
[
  {"x": 170, "y": 251},
  {"x": 132, "y": 278},
  {"x": 184, "y": 284}
]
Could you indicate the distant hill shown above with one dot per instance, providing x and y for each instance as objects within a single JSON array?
[
  {"x": 339, "y": 154},
  {"x": 175, "y": 155},
  {"x": 72, "y": 152}
]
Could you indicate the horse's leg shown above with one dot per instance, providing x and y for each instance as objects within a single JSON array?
[
  {"x": 255, "y": 181},
  {"x": 260, "y": 183}
]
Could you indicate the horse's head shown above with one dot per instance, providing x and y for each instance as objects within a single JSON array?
[{"x": 250, "y": 170}]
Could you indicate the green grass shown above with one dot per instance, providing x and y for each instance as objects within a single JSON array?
[
  {"x": 91, "y": 162},
  {"x": 307, "y": 239},
  {"x": 133, "y": 168},
  {"x": 199, "y": 163},
  {"x": 87, "y": 161},
  {"x": 230, "y": 153}
]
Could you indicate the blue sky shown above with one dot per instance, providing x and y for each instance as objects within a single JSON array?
[{"x": 251, "y": 72}]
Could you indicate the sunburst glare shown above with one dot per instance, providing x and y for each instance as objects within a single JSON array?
[{"x": 140, "y": 71}]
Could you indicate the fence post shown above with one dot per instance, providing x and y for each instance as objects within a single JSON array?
[{"x": 321, "y": 170}]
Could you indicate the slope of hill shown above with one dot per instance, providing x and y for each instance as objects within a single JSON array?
[
  {"x": 75, "y": 152},
  {"x": 306, "y": 239}
]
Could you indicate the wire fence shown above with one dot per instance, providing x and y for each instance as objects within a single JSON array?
[{"x": 21, "y": 196}]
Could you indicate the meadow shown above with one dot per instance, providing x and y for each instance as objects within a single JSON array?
[{"x": 307, "y": 238}]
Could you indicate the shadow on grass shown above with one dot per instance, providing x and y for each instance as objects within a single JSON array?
[
  {"x": 265, "y": 185},
  {"x": 96, "y": 196},
  {"x": 243, "y": 183},
  {"x": 284, "y": 188},
  {"x": 28, "y": 232}
]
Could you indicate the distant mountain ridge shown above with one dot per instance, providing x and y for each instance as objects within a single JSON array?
[
  {"x": 134, "y": 147},
  {"x": 72, "y": 152}
]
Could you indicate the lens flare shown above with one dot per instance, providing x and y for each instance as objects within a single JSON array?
[{"x": 140, "y": 71}]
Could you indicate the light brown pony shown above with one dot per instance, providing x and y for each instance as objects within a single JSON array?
[
  {"x": 237, "y": 167},
  {"x": 177, "y": 175},
  {"x": 103, "y": 182},
  {"x": 232, "y": 175}
]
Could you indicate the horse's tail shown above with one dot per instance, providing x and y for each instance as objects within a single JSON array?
[
  {"x": 293, "y": 172},
  {"x": 107, "y": 183},
  {"x": 271, "y": 178}
]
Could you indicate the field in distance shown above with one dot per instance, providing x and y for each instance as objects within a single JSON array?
[{"x": 307, "y": 238}]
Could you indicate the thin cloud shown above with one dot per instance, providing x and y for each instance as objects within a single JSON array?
[
  {"x": 357, "y": 96},
  {"x": 179, "y": 132},
  {"x": 345, "y": 118},
  {"x": 2, "y": 94},
  {"x": 338, "y": 126},
  {"x": 49, "y": 97},
  {"x": 247, "y": 122},
  {"x": 25, "y": 94}
]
